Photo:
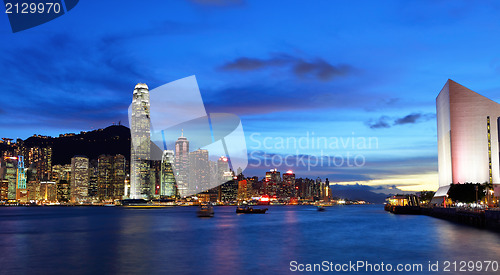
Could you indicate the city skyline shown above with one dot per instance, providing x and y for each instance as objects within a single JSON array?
[
  {"x": 326, "y": 69},
  {"x": 106, "y": 179}
]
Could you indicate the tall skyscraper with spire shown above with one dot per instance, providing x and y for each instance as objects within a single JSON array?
[
  {"x": 182, "y": 164},
  {"x": 140, "y": 149}
]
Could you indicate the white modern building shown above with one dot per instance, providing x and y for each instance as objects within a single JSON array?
[
  {"x": 467, "y": 131},
  {"x": 182, "y": 165}
]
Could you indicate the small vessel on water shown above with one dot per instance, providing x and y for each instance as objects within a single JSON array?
[
  {"x": 139, "y": 203},
  {"x": 205, "y": 210},
  {"x": 245, "y": 209},
  {"x": 321, "y": 208}
]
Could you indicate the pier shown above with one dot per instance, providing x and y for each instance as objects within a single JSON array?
[{"x": 489, "y": 219}]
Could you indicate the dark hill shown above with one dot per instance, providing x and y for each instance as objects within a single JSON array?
[
  {"x": 357, "y": 192},
  {"x": 111, "y": 140}
]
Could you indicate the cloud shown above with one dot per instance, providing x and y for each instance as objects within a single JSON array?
[
  {"x": 382, "y": 122},
  {"x": 320, "y": 68},
  {"x": 317, "y": 68},
  {"x": 251, "y": 64},
  {"x": 387, "y": 122},
  {"x": 414, "y": 118}
]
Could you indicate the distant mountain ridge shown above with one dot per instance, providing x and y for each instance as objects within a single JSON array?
[{"x": 361, "y": 192}]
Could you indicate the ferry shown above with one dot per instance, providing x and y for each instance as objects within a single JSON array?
[
  {"x": 245, "y": 209},
  {"x": 205, "y": 210},
  {"x": 140, "y": 203}
]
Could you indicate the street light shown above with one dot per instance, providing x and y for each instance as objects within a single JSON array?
[{"x": 477, "y": 188}]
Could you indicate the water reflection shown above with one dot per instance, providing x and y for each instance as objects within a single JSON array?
[{"x": 109, "y": 240}]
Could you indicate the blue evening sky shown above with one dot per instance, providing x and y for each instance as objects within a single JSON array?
[{"x": 340, "y": 70}]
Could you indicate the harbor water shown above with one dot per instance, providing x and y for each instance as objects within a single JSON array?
[{"x": 285, "y": 240}]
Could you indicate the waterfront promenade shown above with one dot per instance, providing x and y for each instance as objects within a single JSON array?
[{"x": 489, "y": 219}]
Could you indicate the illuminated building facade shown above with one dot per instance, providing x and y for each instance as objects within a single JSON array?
[
  {"x": 4, "y": 189},
  {"x": 229, "y": 191},
  {"x": 11, "y": 176},
  {"x": 167, "y": 181},
  {"x": 182, "y": 164},
  {"x": 21, "y": 190},
  {"x": 42, "y": 191},
  {"x": 199, "y": 178},
  {"x": 140, "y": 149},
  {"x": 119, "y": 176},
  {"x": 111, "y": 174},
  {"x": 63, "y": 191},
  {"x": 93, "y": 177},
  {"x": 243, "y": 193},
  {"x": 41, "y": 157},
  {"x": 105, "y": 177},
  {"x": 48, "y": 191},
  {"x": 288, "y": 185},
  {"x": 223, "y": 172},
  {"x": 272, "y": 182},
  {"x": 79, "y": 179},
  {"x": 21, "y": 173},
  {"x": 468, "y": 131}
]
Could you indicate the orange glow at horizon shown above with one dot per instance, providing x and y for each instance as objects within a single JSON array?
[{"x": 422, "y": 182}]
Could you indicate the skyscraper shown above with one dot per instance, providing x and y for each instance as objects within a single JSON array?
[
  {"x": 140, "y": 149},
  {"x": 288, "y": 185},
  {"x": 243, "y": 193},
  {"x": 167, "y": 185},
  {"x": 223, "y": 172},
  {"x": 199, "y": 169},
  {"x": 63, "y": 191},
  {"x": 105, "y": 177},
  {"x": 93, "y": 177},
  {"x": 11, "y": 176},
  {"x": 111, "y": 177},
  {"x": 272, "y": 182},
  {"x": 42, "y": 158},
  {"x": 21, "y": 190},
  {"x": 79, "y": 178},
  {"x": 119, "y": 175},
  {"x": 467, "y": 130},
  {"x": 182, "y": 164}
]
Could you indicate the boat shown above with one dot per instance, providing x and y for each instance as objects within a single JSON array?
[
  {"x": 139, "y": 203},
  {"x": 245, "y": 209},
  {"x": 321, "y": 208},
  {"x": 205, "y": 211}
]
